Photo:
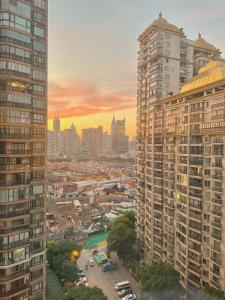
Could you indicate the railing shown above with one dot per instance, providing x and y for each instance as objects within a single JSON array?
[
  {"x": 14, "y": 213},
  {"x": 14, "y": 182},
  {"x": 13, "y": 291},
  {"x": 14, "y": 245}
]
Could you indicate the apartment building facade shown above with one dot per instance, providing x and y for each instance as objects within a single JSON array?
[
  {"x": 23, "y": 135},
  {"x": 171, "y": 207}
]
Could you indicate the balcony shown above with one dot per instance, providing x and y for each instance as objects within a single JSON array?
[
  {"x": 4, "y": 230},
  {"x": 16, "y": 152},
  {"x": 14, "y": 182},
  {"x": 11, "y": 214},
  {"x": 14, "y": 245},
  {"x": 7, "y": 278},
  {"x": 14, "y": 136},
  {"x": 14, "y": 291}
]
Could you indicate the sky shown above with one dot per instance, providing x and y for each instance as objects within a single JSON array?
[{"x": 93, "y": 53}]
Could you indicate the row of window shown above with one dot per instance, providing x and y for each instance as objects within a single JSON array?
[
  {"x": 21, "y": 24},
  {"x": 21, "y": 39},
  {"x": 7, "y": 51},
  {"x": 15, "y": 194},
  {"x": 21, "y": 236},
  {"x": 18, "y": 117},
  {"x": 22, "y": 68},
  {"x": 18, "y": 7}
]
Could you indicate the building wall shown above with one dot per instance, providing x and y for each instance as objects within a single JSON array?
[{"x": 23, "y": 136}]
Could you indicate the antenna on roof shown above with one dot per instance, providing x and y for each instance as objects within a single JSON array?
[
  {"x": 199, "y": 35},
  {"x": 160, "y": 14}
]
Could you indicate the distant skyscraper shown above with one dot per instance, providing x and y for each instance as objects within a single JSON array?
[
  {"x": 180, "y": 149},
  {"x": 56, "y": 133},
  {"x": 120, "y": 141},
  {"x": 69, "y": 142},
  {"x": 107, "y": 144},
  {"x": 91, "y": 143},
  {"x": 23, "y": 146}
]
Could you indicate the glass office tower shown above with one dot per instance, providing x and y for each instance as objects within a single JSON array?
[{"x": 23, "y": 119}]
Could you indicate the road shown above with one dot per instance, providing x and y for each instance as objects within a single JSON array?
[{"x": 106, "y": 280}]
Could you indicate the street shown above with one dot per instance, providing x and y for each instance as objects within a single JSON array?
[{"x": 106, "y": 280}]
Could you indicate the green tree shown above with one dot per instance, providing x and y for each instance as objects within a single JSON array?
[
  {"x": 161, "y": 280},
  {"x": 122, "y": 236},
  {"x": 84, "y": 293},
  {"x": 63, "y": 248},
  {"x": 68, "y": 271}
]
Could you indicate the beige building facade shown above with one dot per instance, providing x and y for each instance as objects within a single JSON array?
[{"x": 180, "y": 155}]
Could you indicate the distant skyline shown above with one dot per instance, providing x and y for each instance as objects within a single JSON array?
[{"x": 93, "y": 53}]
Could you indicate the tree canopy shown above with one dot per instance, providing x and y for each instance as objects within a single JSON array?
[
  {"x": 161, "y": 280},
  {"x": 61, "y": 260},
  {"x": 84, "y": 293},
  {"x": 122, "y": 236}
]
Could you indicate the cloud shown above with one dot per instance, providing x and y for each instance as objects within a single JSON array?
[{"x": 82, "y": 99}]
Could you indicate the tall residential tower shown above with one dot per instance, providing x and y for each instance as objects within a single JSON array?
[
  {"x": 180, "y": 153},
  {"x": 23, "y": 135}
]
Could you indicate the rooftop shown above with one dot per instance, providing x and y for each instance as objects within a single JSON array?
[
  {"x": 160, "y": 23},
  {"x": 212, "y": 72},
  {"x": 203, "y": 44}
]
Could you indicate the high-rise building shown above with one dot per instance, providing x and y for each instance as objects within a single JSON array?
[
  {"x": 120, "y": 141},
  {"x": 56, "y": 133},
  {"x": 106, "y": 144},
  {"x": 180, "y": 162},
  {"x": 69, "y": 142},
  {"x": 23, "y": 135},
  {"x": 91, "y": 142}
]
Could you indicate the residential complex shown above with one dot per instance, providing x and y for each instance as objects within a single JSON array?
[
  {"x": 180, "y": 154},
  {"x": 23, "y": 117}
]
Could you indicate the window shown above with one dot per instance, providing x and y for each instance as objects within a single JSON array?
[
  {"x": 15, "y": 22},
  {"x": 17, "y": 7},
  {"x": 39, "y": 32},
  {"x": 40, "y": 3},
  {"x": 38, "y": 189},
  {"x": 39, "y": 46},
  {"x": 15, "y": 37}
]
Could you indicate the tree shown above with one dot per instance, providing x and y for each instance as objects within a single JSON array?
[
  {"x": 122, "y": 236},
  {"x": 61, "y": 257},
  {"x": 63, "y": 248},
  {"x": 84, "y": 293},
  {"x": 68, "y": 271},
  {"x": 161, "y": 280}
]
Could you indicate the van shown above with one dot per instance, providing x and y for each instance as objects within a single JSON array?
[{"x": 122, "y": 285}]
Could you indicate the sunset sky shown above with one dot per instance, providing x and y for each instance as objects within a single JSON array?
[{"x": 93, "y": 53}]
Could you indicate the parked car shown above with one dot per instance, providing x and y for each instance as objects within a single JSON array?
[
  {"x": 110, "y": 265},
  {"x": 91, "y": 262},
  {"x": 82, "y": 278},
  {"x": 125, "y": 292},
  {"x": 130, "y": 297},
  {"x": 122, "y": 285}
]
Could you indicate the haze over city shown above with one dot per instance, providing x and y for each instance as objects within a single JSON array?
[{"x": 93, "y": 75}]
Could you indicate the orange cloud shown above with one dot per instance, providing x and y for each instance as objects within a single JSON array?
[{"x": 80, "y": 99}]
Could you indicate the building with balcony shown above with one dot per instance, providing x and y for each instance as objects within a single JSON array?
[
  {"x": 180, "y": 202},
  {"x": 23, "y": 135}
]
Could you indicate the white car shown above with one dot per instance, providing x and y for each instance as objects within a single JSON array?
[
  {"x": 91, "y": 262},
  {"x": 130, "y": 297},
  {"x": 83, "y": 278}
]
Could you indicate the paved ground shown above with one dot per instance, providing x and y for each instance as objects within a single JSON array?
[{"x": 106, "y": 280}]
